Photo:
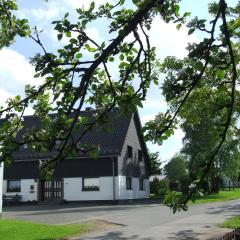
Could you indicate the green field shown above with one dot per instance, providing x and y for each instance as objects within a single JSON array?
[
  {"x": 22, "y": 230},
  {"x": 232, "y": 223},
  {"x": 220, "y": 197}
]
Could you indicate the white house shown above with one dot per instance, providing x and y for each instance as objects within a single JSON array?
[{"x": 121, "y": 172}]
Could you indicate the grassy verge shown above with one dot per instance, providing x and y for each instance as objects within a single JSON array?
[
  {"x": 231, "y": 223},
  {"x": 220, "y": 197},
  {"x": 22, "y": 230}
]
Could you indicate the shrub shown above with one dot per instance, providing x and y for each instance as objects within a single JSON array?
[
  {"x": 154, "y": 186},
  {"x": 163, "y": 187}
]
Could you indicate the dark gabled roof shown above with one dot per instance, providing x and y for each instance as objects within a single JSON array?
[{"x": 109, "y": 142}]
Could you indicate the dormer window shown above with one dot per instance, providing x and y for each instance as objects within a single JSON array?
[{"x": 129, "y": 152}]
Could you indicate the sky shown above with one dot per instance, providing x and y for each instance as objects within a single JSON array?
[{"x": 16, "y": 71}]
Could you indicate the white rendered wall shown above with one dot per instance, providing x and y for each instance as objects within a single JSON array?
[
  {"x": 73, "y": 189},
  {"x": 26, "y": 192},
  {"x": 135, "y": 193},
  {"x": 1, "y": 186}
]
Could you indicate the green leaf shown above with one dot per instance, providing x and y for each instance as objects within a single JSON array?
[
  {"x": 121, "y": 57},
  {"x": 68, "y": 34},
  {"x": 79, "y": 55},
  {"x": 191, "y": 31},
  {"x": 84, "y": 22},
  {"x": 179, "y": 26},
  {"x": 66, "y": 15},
  {"x": 59, "y": 36},
  {"x": 199, "y": 66},
  {"x": 92, "y": 5},
  {"x": 136, "y": 2}
]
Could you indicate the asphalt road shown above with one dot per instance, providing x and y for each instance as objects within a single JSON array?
[{"x": 143, "y": 222}]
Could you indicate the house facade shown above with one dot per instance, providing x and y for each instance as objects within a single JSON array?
[{"x": 121, "y": 172}]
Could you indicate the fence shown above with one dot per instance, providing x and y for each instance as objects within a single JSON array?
[{"x": 234, "y": 235}]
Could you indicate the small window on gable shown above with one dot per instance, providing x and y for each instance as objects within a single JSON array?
[
  {"x": 14, "y": 186},
  {"x": 140, "y": 155},
  {"x": 129, "y": 152},
  {"x": 128, "y": 183}
]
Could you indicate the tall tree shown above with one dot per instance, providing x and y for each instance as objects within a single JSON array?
[{"x": 155, "y": 163}]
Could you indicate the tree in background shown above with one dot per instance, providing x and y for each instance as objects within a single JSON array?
[
  {"x": 72, "y": 79},
  {"x": 176, "y": 168},
  {"x": 155, "y": 164},
  {"x": 229, "y": 160}
]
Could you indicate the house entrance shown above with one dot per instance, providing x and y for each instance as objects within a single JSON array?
[{"x": 52, "y": 190}]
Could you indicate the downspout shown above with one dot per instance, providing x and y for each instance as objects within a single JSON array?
[
  {"x": 1, "y": 187},
  {"x": 113, "y": 180}
]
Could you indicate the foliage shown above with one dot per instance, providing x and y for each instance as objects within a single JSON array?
[
  {"x": 79, "y": 73},
  {"x": 163, "y": 187},
  {"x": 159, "y": 187},
  {"x": 155, "y": 163},
  {"x": 185, "y": 182},
  {"x": 10, "y": 25},
  {"x": 22, "y": 230},
  {"x": 176, "y": 168},
  {"x": 205, "y": 82},
  {"x": 154, "y": 186}
]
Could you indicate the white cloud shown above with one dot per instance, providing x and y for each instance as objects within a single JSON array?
[
  {"x": 83, "y": 3},
  {"x": 48, "y": 11},
  {"x": 169, "y": 147},
  {"x": 15, "y": 73},
  {"x": 94, "y": 34},
  {"x": 168, "y": 40},
  {"x": 5, "y": 95}
]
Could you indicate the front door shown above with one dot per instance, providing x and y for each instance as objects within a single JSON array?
[{"x": 52, "y": 190}]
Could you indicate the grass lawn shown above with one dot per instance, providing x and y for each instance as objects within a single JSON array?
[
  {"x": 231, "y": 223},
  {"x": 22, "y": 230},
  {"x": 221, "y": 197}
]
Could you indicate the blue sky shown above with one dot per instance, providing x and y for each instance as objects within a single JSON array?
[{"x": 15, "y": 70}]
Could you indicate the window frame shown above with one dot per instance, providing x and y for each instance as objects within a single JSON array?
[
  {"x": 129, "y": 151},
  {"x": 15, "y": 190},
  {"x": 90, "y": 188},
  {"x": 129, "y": 187}
]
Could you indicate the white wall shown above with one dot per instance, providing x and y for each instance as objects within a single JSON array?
[
  {"x": 73, "y": 189},
  {"x": 134, "y": 193},
  {"x": 1, "y": 185},
  {"x": 26, "y": 193},
  {"x": 126, "y": 165}
]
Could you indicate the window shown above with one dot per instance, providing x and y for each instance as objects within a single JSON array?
[
  {"x": 141, "y": 184},
  {"x": 140, "y": 155},
  {"x": 129, "y": 152},
  {"x": 128, "y": 183},
  {"x": 90, "y": 184},
  {"x": 14, "y": 186}
]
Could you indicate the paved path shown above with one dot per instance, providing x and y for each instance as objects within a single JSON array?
[{"x": 143, "y": 222}]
